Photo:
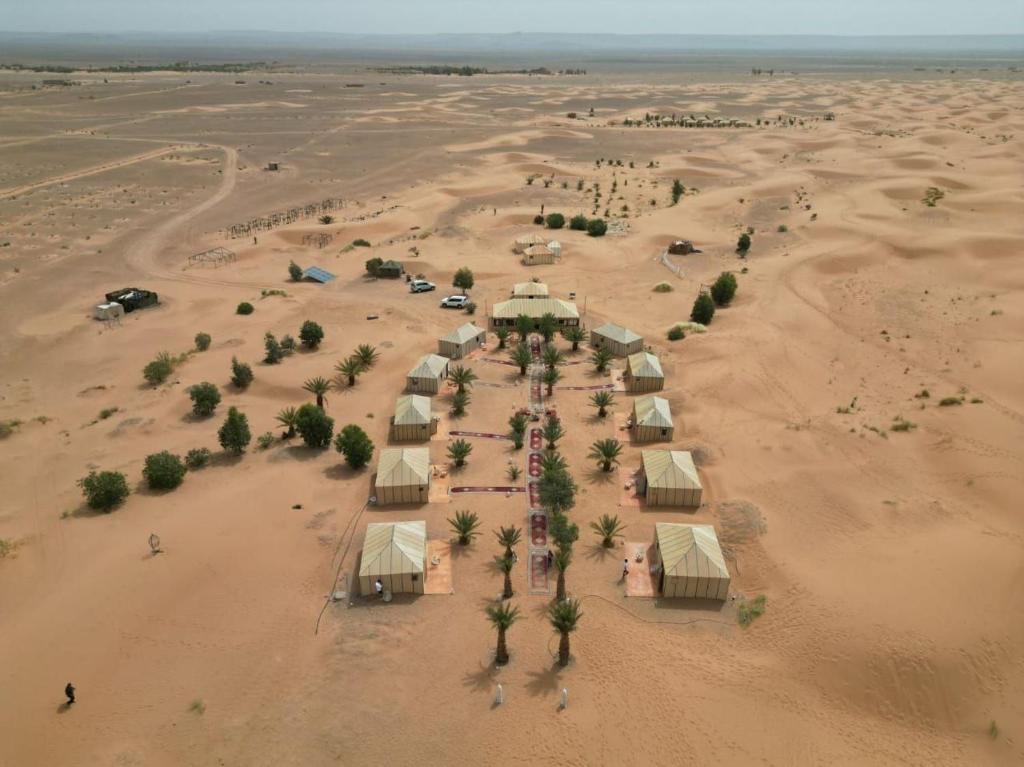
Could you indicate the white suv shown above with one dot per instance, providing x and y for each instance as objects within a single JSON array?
[
  {"x": 421, "y": 286},
  {"x": 454, "y": 302}
]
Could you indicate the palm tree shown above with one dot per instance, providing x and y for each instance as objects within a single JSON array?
[
  {"x": 518, "y": 423},
  {"x": 502, "y": 335},
  {"x": 552, "y": 462},
  {"x": 514, "y": 471},
  {"x": 318, "y": 387},
  {"x": 553, "y": 432},
  {"x": 552, "y": 356},
  {"x": 349, "y": 369},
  {"x": 551, "y": 377},
  {"x": 601, "y": 358},
  {"x": 606, "y": 452},
  {"x": 459, "y": 401},
  {"x": 464, "y": 525},
  {"x": 462, "y": 377},
  {"x": 564, "y": 615},
  {"x": 524, "y": 326},
  {"x": 522, "y": 356},
  {"x": 562, "y": 561},
  {"x": 505, "y": 564},
  {"x": 609, "y": 528},
  {"x": 508, "y": 537},
  {"x": 366, "y": 354},
  {"x": 287, "y": 418},
  {"x": 575, "y": 335},
  {"x": 502, "y": 616},
  {"x": 548, "y": 325},
  {"x": 602, "y": 400},
  {"x": 459, "y": 450}
]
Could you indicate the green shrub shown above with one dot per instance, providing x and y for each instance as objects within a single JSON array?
[
  {"x": 314, "y": 426},
  {"x": 273, "y": 348},
  {"x": 555, "y": 221},
  {"x": 294, "y": 271},
  {"x": 326, "y": 220},
  {"x": 355, "y": 445},
  {"x": 470, "y": 307},
  {"x": 265, "y": 440},
  {"x": 662, "y": 287},
  {"x": 7, "y": 428},
  {"x": 950, "y": 401},
  {"x": 724, "y": 289},
  {"x": 749, "y": 611},
  {"x": 241, "y": 373},
  {"x": 106, "y": 412},
  {"x": 105, "y": 490},
  {"x": 287, "y": 345},
  {"x": 538, "y": 220},
  {"x": 703, "y": 309},
  {"x": 676, "y": 333},
  {"x": 900, "y": 424},
  {"x": 205, "y": 398},
  {"x": 203, "y": 341},
  {"x": 678, "y": 190},
  {"x": 463, "y": 278},
  {"x": 578, "y": 222},
  {"x": 372, "y": 265},
  {"x": 163, "y": 471},
  {"x": 361, "y": 243},
  {"x": 159, "y": 370},
  {"x": 782, "y": 229},
  {"x": 234, "y": 434},
  {"x": 198, "y": 457},
  {"x": 244, "y": 308},
  {"x": 311, "y": 334},
  {"x": 743, "y": 243},
  {"x": 597, "y": 227}
]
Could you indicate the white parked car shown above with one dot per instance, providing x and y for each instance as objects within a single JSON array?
[
  {"x": 421, "y": 286},
  {"x": 454, "y": 302}
]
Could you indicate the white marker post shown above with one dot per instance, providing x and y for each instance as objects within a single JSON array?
[
  {"x": 499, "y": 698},
  {"x": 565, "y": 697}
]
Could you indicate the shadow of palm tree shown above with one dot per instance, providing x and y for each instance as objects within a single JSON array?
[
  {"x": 595, "y": 476},
  {"x": 598, "y": 553},
  {"x": 543, "y": 683},
  {"x": 484, "y": 678}
]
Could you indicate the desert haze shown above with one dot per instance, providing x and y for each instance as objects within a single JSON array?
[{"x": 855, "y": 413}]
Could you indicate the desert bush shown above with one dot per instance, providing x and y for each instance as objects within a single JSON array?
[
  {"x": 951, "y": 401},
  {"x": 105, "y": 490},
  {"x": 743, "y": 243},
  {"x": 7, "y": 428},
  {"x": 538, "y": 220},
  {"x": 241, "y": 373},
  {"x": 244, "y": 308},
  {"x": 372, "y": 265},
  {"x": 311, "y": 334},
  {"x": 724, "y": 288},
  {"x": 287, "y": 345},
  {"x": 294, "y": 271},
  {"x": 159, "y": 370},
  {"x": 234, "y": 434},
  {"x": 203, "y": 341},
  {"x": 578, "y": 222},
  {"x": 470, "y": 307},
  {"x": 678, "y": 190},
  {"x": 273, "y": 348},
  {"x": 326, "y": 220},
  {"x": 106, "y": 412},
  {"x": 463, "y": 278},
  {"x": 703, "y": 309},
  {"x": 265, "y": 440},
  {"x": 361, "y": 243},
  {"x": 205, "y": 398},
  {"x": 662, "y": 287},
  {"x": 163, "y": 471},
  {"x": 676, "y": 333},
  {"x": 782, "y": 229},
  {"x": 314, "y": 426},
  {"x": 597, "y": 227},
  {"x": 353, "y": 443},
  {"x": 197, "y": 457},
  {"x": 749, "y": 611},
  {"x": 555, "y": 221}
]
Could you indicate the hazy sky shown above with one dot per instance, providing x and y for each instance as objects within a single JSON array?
[{"x": 843, "y": 17}]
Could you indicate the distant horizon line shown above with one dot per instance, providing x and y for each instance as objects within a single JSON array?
[{"x": 765, "y": 35}]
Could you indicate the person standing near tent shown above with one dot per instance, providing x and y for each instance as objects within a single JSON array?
[
  {"x": 379, "y": 586},
  {"x": 625, "y": 568},
  {"x": 69, "y": 690}
]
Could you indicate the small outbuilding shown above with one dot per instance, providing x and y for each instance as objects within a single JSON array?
[
  {"x": 461, "y": 341},
  {"x": 109, "y": 311},
  {"x": 669, "y": 478},
  {"x": 316, "y": 274},
  {"x": 390, "y": 268},
  {"x": 530, "y": 290},
  {"x": 556, "y": 248},
  {"x": 652, "y": 420},
  {"x": 427, "y": 375},
  {"x": 403, "y": 475},
  {"x": 412, "y": 419},
  {"x": 643, "y": 373},
  {"x": 133, "y": 298},
  {"x": 396, "y": 554},
  {"x": 538, "y": 254},
  {"x": 618, "y": 340},
  {"x": 681, "y": 248},
  {"x": 692, "y": 565},
  {"x": 527, "y": 241},
  {"x": 273, "y": 165}
]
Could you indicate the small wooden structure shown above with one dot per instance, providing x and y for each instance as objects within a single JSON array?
[
  {"x": 669, "y": 478},
  {"x": 214, "y": 257},
  {"x": 681, "y": 248},
  {"x": 394, "y": 553},
  {"x": 412, "y": 420},
  {"x": 691, "y": 562},
  {"x": 652, "y": 420},
  {"x": 403, "y": 475},
  {"x": 538, "y": 254},
  {"x": 427, "y": 374},
  {"x": 618, "y": 340},
  {"x": 461, "y": 341},
  {"x": 390, "y": 268},
  {"x": 527, "y": 241},
  {"x": 643, "y": 373},
  {"x": 273, "y": 165}
]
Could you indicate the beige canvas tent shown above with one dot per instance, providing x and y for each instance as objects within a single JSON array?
[
  {"x": 426, "y": 377},
  {"x": 527, "y": 241},
  {"x": 538, "y": 254},
  {"x": 403, "y": 475},
  {"x": 461, "y": 341},
  {"x": 529, "y": 290},
  {"x": 618, "y": 340},
  {"x": 669, "y": 478},
  {"x": 504, "y": 313},
  {"x": 412, "y": 419},
  {"x": 692, "y": 564},
  {"x": 652, "y": 420},
  {"x": 109, "y": 311},
  {"x": 394, "y": 552},
  {"x": 643, "y": 373}
]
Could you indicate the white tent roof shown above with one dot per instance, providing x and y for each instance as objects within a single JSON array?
[
  {"x": 393, "y": 548},
  {"x": 412, "y": 409},
  {"x": 538, "y": 250},
  {"x": 529, "y": 289},
  {"x": 403, "y": 466},
  {"x": 644, "y": 365},
  {"x": 670, "y": 469},
  {"x": 534, "y": 308},
  {"x": 429, "y": 366},
  {"x": 653, "y": 411},
  {"x": 618, "y": 333},
  {"x": 530, "y": 239},
  {"x": 690, "y": 551},
  {"x": 462, "y": 334}
]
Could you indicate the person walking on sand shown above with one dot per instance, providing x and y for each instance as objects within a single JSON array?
[
  {"x": 551, "y": 557},
  {"x": 625, "y": 568},
  {"x": 69, "y": 690},
  {"x": 379, "y": 586}
]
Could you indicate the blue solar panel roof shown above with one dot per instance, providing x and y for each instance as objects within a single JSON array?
[{"x": 318, "y": 274}]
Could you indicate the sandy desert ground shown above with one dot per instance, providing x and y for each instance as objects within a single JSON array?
[{"x": 892, "y": 561}]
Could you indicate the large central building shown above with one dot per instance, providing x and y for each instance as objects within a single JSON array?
[{"x": 504, "y": 313}]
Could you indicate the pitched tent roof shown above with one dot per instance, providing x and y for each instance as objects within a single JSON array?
[
  {"x": 394, "y": 548},
  {"x": 412, "y": 409},
  {"x": 644, "y": 365},
  {"x": 530, "y": 239},
  {"x": 317, "y": 274},
  {"x": 538, "y": 250},
  {"x": 672, "y": 469},
  {"x": 403, "y": 466},
  {"x": 535, "y": 307},
  {"x": 429, "y": 366},
  {"x": 653, "y": 411},
  {"x": 462, "y": 334},
  {"x": 690, "y": 551},
  {"x": 618, "y": 333},
  {"x": 521, "y": 289},
  {"x": 391, "y": 264}
]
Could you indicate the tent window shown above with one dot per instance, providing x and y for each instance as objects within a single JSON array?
[
  {"x": 415, "y": 577},
  {"x": 664, "y": 432}
]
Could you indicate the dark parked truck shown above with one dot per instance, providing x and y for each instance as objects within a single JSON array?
[{"x": 133, "y": 298}]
